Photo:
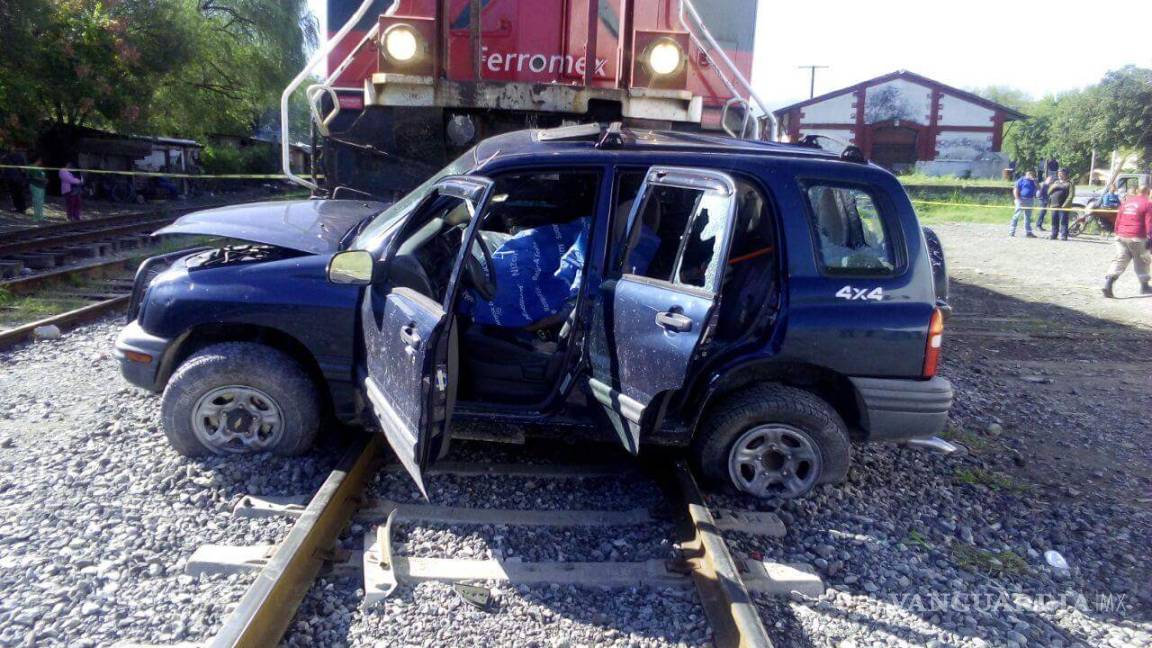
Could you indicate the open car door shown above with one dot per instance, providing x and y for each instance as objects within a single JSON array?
[
  {"x": 655, "y": 308},
  {"x": 410, "y": 337}
]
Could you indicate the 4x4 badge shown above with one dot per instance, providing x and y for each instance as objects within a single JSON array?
[{"x": 850, "y": 293}]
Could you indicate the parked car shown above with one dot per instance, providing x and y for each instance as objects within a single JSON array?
[
  {"x": 1126, "y": 183},
  {"x": 763, "y": 305}
]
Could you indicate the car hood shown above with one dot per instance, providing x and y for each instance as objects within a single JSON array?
[{"x": 312, "y": 226}]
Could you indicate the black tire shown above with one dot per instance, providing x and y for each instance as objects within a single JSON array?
[
  {"x": 728, "y": 420},
  {"x": 245, "y": 364},
  {"x": 1076, "y": 228}
]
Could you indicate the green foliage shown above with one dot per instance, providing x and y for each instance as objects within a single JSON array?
[
  {"x": 1014, "y": 98},
  {"x": 227, "y": 160},
  {"x": 989, "y": 479},
  {"x": 187, "y": 67},
  {"x": 247, "y": 51},
  {"x": 992, "y": 562},
  {"x": 1115, "y": 114},
  {"x": 917, "y": 539}
]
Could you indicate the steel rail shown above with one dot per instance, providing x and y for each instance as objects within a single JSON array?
[
  {"x": 42, "y": 231},
  {"x": 727, "y": 603},
  {"x": 269, "y": 605},
  {"x": 81, "y": 315},
  {"x": 31, "y": 283},
  {"x": 84, "y": 236}
]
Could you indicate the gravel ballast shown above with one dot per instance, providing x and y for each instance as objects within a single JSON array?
[{"x": 100, "y": 516}]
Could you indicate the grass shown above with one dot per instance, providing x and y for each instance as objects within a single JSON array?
[
  {"x": 992, "y": 562},
  {"x": 915, "y": 538},
  {"x": 958, "y": 207},
  {"x": 923, "y": 179},
  {"x": 974, "y": 442},
  {"x": 21, "y": 310},
  {"x": 988, "y": 479}
]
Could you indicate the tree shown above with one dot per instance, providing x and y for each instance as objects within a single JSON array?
[
  {"x": 1122, "y": 111},
  {"x": 1014, "y": 98},
  {"x": 80, "y": 61},
  {"x": 1115, "y": 114},
  {"x": 247, "y": 51},
  {"x": 185, "y": 67}
]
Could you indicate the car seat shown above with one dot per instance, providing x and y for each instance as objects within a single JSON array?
[{"x": 513, "y": 365}]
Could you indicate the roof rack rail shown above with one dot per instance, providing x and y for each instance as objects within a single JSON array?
[
  {"x": 575, "y": 132},
  {"x": 611, "y": 136}
]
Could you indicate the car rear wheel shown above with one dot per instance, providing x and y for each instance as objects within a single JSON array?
[
  {"x": 773, "y": 441},
  {"x": 240, "y": 398}
]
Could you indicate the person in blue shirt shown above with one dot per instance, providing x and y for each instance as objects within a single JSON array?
[
  {"x": 1110, "y": 199},
  {"x": 1024, "y": 193}
]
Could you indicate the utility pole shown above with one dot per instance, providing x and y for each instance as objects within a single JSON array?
[{"x": 812, "y": 83}]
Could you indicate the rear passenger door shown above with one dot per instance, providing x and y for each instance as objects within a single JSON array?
[{"x": 655, "y": 308}]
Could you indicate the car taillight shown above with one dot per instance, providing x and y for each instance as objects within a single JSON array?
[{"x": 935, "y": 339}]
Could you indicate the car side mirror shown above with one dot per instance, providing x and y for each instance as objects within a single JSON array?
[{"x": 351, "y": 267}]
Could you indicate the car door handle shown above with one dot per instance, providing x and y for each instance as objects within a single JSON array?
[
  {"x": 673, "y": 321},
  {"x": 409, "y": 335}
]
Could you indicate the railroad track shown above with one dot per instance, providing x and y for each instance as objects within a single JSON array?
[
  {"x": 48, "y": 247},
  {"x": 286, "y": 571},
  {"x": 83, "y": 304}
]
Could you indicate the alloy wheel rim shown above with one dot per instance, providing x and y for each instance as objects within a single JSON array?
[
  {"x": 237, "y": 419},
  {"x": 774, "y": 460}
]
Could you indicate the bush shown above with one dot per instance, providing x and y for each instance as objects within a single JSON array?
[{"x": 224, "y": 160}]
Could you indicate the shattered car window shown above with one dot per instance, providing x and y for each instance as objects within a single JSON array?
[
  {"x": 851, "y": 231},
  {"x": 680, "y": 237}
]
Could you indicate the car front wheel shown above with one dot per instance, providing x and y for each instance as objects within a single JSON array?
[
  {"x": 773, "y": 441},
  {"x": 240, "y": 398}
]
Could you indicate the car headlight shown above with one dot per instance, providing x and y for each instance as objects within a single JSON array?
[
  {"x": 401, "y": 43},
  {"x": 664, "y": 57}
]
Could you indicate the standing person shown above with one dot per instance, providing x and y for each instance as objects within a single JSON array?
[
  {"x": 37, "y": 185},
  {"x": 71, "y": 187},
  {"x": 1042, "y": 197},
  {"x": 1024, "y": 193},
  {"x": 14, "y": 179},
  {"x": 1133, "y": 231},
  {"x": 1060, "y": 196}
]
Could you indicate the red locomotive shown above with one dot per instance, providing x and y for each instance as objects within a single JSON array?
[{"x": 412, "y": 83}]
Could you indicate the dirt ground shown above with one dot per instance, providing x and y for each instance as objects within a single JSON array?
[
  {"x": 1073, "y": 367},
  {"x": 1067, "y": 274}
]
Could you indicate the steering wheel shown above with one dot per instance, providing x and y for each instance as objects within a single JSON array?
[{"x": 481, "y": 276}]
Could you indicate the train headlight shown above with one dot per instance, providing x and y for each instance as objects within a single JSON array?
[
  {"x": 401, "y": 43},
  {"x": 664, "y": 57}
]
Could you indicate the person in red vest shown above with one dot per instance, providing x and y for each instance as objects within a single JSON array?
[{"x": 1133, "y": 232}]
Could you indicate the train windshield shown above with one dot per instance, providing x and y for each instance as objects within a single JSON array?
[{"x": 368, "y": 236}]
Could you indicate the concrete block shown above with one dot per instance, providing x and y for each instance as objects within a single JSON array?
[{"x": 779, "y": 578}]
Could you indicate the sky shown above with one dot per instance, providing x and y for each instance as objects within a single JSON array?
[
  {"x": 1036, "y": 47},
  {"x": 1039, "y": 48}
]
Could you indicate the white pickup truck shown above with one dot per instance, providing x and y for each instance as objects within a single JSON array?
[{"x": 1126, "y": 183}]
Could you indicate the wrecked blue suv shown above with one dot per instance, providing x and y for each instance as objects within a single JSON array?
[{"x": 762, "y": 304}]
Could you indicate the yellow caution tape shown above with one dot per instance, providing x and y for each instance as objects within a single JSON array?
[
  {"x": 978, "y": 205},
  {"x": 161, "y": 174}
]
